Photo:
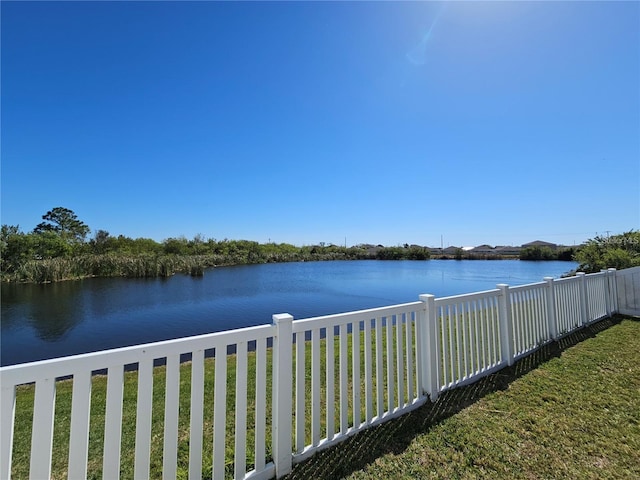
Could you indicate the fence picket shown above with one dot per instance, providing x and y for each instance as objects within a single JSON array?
[
  {"x": 261, "y": 404},
  {"x": 475, "y": 347},
  {"x": 355, "y": 374},
  {"x": 79, "y": 430},
  {"x": 411, "y": 393},
  {"x": 399, "y": 362},
  {"x": 143, "y": 418},
  {"x": 315, "y": 387},
  {"x": 390, "y": 367},
  {"x": 330, "y": 380},
  {"x": 240, "y": 452},
  {"x": 520, "y": 300},
  {"x": 344, "y": 380},
  {"x": 464, "y": 319},
  {"x": 7, "y": 417},
  {"x": 368, "y": 372},
  {"x": 171, "y": 416},
  {"x": 484, "y": 352},
  {"x": 300, "y": 419},
  {"x": 379, "y": 369},
  {"x": 113, "y": 423},
  {"x": 219, "y": 413},
  {"x": 42, "y": 434},
  {"x": 559, "y": 307},
  {"x": 452, "y": 343}
]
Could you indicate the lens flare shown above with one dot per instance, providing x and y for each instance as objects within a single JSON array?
[{"x": 418, "y": 55}]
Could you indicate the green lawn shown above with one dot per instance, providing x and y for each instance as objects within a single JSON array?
[{"x": 571, "y": 410}]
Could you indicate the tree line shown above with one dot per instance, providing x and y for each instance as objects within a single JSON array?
[
  {"x": 59, "y": 249},
  {"x": 615, "y": 251},
  {"x": 546, "y": 253}
]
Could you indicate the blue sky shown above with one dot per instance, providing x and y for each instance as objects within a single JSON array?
[{"x": 385, "y": 122}]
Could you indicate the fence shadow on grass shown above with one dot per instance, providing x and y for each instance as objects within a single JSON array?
[{"x": 395, "y": 436}]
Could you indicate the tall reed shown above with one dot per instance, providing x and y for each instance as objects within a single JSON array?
[
  {"x": 150, "y": 265},
  {"x": 111, "y": 265}
]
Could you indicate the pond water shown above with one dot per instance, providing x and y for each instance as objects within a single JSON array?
[{"x": 65, "y": 318}]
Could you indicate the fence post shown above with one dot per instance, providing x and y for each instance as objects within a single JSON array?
[
  {"x": 429, "y": 347},
  {"x": 607, "y": 291},
  {"x": 613, "y": 289},
  {"x": 551, "y": 308},
  {"x": 422, "y": 345},
  {"x": 282, "y": 393},
  {"x": 584, "y": 307},
  {"x": 506, "y": 326}
]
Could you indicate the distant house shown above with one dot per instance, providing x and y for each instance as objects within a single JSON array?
[
  {"x": 508, "y": 251},
  {"x": 451, "y": 250},
  {"x": 540, "y": 243},
  {"x": 483, "y": 250}
]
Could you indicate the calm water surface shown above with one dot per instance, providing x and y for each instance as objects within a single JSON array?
[{"x": 47, "y": 321}]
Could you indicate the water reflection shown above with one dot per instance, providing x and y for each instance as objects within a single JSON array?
[{"x": 51, "y": 310}]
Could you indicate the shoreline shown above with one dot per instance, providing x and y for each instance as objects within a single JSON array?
[{"x": 55, "y": 270}]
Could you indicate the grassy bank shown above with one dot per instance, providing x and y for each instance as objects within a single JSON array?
[
  {"x": 149, "y": 265},
  {"x": 129, "y": 266},
  {"x": 139, "y": 266},
  {"x": 571, "y": 410}
]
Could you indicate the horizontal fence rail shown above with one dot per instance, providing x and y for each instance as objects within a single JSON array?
[{"x": 249, "y": 403}]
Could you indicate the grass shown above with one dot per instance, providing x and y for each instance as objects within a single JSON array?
[{"x": 570, "y": 410}]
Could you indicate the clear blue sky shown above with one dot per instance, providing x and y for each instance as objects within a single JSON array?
[{"x": 386, "y": 122}]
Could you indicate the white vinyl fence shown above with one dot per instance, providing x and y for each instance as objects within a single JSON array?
[
  {"x": 628, "y": 286},
  {"x": 317, "y": 380}
]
